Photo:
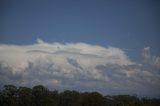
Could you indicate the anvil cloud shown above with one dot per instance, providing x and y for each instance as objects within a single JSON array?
[{"x": 79, "y": 66}]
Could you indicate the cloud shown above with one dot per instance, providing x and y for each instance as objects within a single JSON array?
[
  {"x": 78, "y": 66},
  {"x": 74, "y": 63},
  {"x": 150, "y": 59},
  {"x": 146, "y": 53}
]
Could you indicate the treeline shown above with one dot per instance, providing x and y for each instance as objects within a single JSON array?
[{"x": 39, "y": 95}]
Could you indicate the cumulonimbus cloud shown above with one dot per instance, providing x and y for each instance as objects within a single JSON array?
[{"x": 79, "y": 66}]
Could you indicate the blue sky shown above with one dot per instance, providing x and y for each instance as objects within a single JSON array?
[{"x": 131, "y": 25}]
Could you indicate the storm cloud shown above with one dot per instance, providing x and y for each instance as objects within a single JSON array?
[{"x": 79, "y": 66}]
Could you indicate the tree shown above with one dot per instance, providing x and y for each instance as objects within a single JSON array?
[
  {"x": 25, "y": 95},
  {"x": 10, "y": 95},
  {"x": 39, "y": 95},
  {"x": 91, "y": 99},
  {"x": 68, "y": 98},
  {"x": 127, "y": 100}
]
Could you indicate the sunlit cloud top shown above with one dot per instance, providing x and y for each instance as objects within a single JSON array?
[{"x": 79, "y": 66}]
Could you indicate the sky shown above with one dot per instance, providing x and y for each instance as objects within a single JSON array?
[{"x": 110, "y": 46}]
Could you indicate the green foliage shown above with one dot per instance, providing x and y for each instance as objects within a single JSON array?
[
  {"x": 41, "y": 96},
  {"x": 91, "y": 99},
  {"x": 24, "y": 96}
]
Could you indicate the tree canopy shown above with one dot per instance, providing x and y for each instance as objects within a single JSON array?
[{"x": 39, "y": 95}]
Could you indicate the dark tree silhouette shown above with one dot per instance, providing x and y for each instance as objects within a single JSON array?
[{"x": 41, "y": 96}]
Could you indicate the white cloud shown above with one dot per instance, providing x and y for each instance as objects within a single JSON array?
[
  {"x": 75, "y": 65},
  {"x": 150, "y": 59},
  {"x": 18, "y": 56},
  {"x": 146, "y": 53}
]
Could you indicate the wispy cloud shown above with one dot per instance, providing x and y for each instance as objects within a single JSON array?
[{"x": 78, "y": 66}]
